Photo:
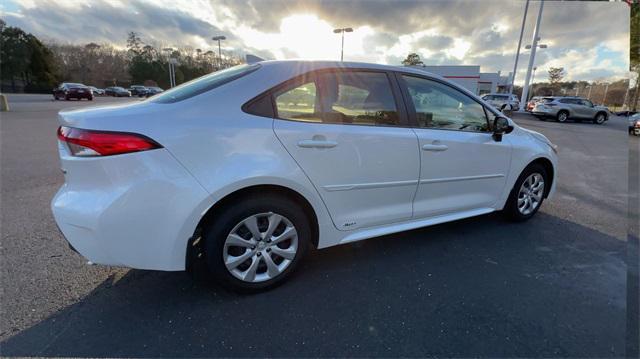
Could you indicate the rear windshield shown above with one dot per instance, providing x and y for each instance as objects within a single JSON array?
[
  {"x": 548, "y": 99},
  {"x": 203, "y": 84}
]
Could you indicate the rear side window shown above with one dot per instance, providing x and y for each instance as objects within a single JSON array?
[
  {"x": 204, "y": 84},
  {"x": 358, "y": 97},
  {"x": 340, "y": 97},
  {"x": 299, "y": 103}
]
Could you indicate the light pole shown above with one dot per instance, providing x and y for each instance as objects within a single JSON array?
[
  {"x": 342, "y": 31},
  {"x": 534, "y": 46},
  {"x": 219, "y": 38},
  {"x": 604, "y": 97},
  {"x": 626, "y": 94},
  {"x": 515, "y": 65},
  {"x": 533, "y": 77},
  {"x": 171, "y": 69},
  {"x": 589, "y": 93}
]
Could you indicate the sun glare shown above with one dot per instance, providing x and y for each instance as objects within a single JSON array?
[
  {"x": 309, "y": 37},
  {"x": 305, "y": 36}
]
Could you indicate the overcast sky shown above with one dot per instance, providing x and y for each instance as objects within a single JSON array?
[{"x": 589, "y": 39}]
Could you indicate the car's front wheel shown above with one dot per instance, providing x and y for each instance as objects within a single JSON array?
[
  {"x": 256, "y": 243},
  {"x": 527, "y": 194}
]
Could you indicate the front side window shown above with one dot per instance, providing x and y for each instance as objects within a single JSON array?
[
  {"x": 442, "y": 107},
  {"x": 586, "y": 103},
  {"x": 298, "y": 103}
]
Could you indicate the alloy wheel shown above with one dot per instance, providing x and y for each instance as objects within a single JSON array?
[
  {"x": 600, "y": 119},
  {"x": 563, "y": 117},
  {"x": 260, "y": 247},
  {"x": 530, "y": 194}
]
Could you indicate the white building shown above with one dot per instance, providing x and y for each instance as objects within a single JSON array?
[{"x": 470, "y": 77}]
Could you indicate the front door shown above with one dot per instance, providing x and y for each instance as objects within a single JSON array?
[
  {"x": 462, "y": 166},
  {"x": 345, "y": 131}
]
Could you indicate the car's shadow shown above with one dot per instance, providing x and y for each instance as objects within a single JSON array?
[{"x": 477, "y": 287}]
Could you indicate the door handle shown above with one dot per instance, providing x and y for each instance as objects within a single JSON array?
[
  {"x": 317, "y": 144},
  {"x": 435, "y": 148}
]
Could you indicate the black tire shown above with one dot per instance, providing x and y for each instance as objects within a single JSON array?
[
  {"x": 600, "y": 118},
  {"x": 216, "y": 232},
  {"x": 511, "y": 210},
  {"x": 562, "y": 116}
]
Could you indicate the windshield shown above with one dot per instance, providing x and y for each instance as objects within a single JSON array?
[{"x": 204, "y": 84}]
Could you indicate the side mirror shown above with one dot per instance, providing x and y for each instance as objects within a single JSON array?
[
  {"x": 501, "y": 126},
  {"x": 506, "y": 109}
]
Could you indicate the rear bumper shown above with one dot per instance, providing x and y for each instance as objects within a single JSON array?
[{"x": 135, "y": 210}]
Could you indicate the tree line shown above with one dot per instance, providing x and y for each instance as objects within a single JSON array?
[{"x": 29, "y": 65}]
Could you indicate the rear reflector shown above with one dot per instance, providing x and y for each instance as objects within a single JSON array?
[{"x": 88, "y": 143}]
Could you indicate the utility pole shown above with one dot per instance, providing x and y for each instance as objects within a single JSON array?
[
  {"x": 515, "y": 65},
  {"x": 534, "y": 47}
]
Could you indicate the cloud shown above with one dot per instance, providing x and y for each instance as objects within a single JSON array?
[{"x": 443, "y": 32}]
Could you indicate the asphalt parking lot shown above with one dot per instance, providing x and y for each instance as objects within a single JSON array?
[{"x": 553, "y": 286}]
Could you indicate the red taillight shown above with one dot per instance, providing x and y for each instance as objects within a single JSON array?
[{"x": 103, "y": 143}]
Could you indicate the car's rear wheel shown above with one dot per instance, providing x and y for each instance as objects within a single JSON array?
[
  {"x": 256, "y": 243},
  {"x": 562, "y": 116},
  {"x": 600, "y": 118},
  {"x": 527, "y": 194}
]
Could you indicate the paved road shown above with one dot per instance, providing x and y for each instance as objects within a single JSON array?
[{"x": 553, "y": 286}]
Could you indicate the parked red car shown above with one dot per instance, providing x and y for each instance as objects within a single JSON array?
[{"x": 68, "y": 91}]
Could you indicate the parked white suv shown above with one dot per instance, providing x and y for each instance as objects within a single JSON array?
[
  {"x": 245, "y": 169},
  {"x": 502, "y": 101}
]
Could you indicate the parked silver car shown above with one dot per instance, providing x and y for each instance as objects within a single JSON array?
[
  {"x": 498, "y": 100},
  {"x": 576, "y": 108},
  {"x": 634, "y": 124}
]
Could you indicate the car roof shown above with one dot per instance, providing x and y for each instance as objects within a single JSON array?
[
  {"x": 286, "y": 68},
  {"x": 312, "y": 65}
]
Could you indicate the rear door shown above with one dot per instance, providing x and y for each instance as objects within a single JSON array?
[
  {"x": 462, "y": 167},
  {"x": 348, "y": 131}
]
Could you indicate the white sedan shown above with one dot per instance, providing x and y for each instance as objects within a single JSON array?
[{"x": 245, "y": 169}]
